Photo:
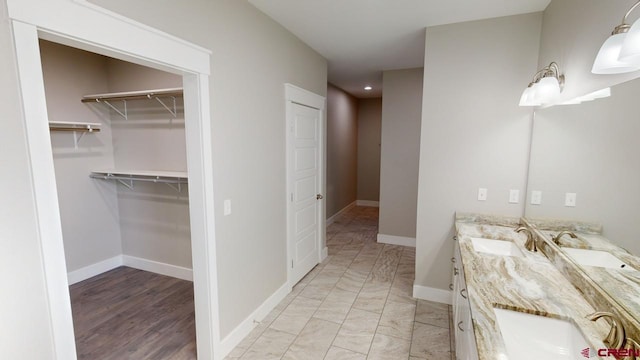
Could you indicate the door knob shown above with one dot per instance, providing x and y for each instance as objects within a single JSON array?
[{"x": 318, "y": 197}]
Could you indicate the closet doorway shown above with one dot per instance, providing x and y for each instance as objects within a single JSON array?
[
  {"x": 119, "y": 152},
  {"x": 81, "y": 25}
]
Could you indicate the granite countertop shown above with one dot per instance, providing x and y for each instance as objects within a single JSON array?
[
  {"x": 621, "y": 285},
  {"x": 529, "y": 284},
  {"x": 615, "y": 288}
]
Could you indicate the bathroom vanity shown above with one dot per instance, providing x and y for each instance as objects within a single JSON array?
[{"x": 508, "y": 300}]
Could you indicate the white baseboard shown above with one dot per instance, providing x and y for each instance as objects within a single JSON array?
[
  {"x": 241, "y": 331},
  {"x": 334, "y": 216},
  {"x": 324, "y": 254},
  {"x": 397, "y": 240},
  {"x": 158, "y": 267},
  {"x": 432, "y": 294},
  {"x": 94, "y": 269},
  {"x": 370, "y": 203}
]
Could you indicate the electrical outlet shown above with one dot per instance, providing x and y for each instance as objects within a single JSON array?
[
  {"x": 482, "y": 194},
  {"x": 514, "y": 196},
  {"x": 536, "y": 197},
  {"x": 227, "y": 207},
  {"x": 570, "y": 199}
]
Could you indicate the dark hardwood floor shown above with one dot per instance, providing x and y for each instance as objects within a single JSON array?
[{"x": 133, "y": 314}]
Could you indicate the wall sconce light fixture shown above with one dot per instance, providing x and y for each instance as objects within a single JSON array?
[
  {"x": 620, "y": 53},
  {"x": 545, "y": 87}
]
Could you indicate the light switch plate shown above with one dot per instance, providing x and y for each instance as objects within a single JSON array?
[
  {"x": 482, "y": 194},
  {"x": 536, "y": 197},
  {"x": 514, "y": 196},
  {"x": 570, "y": 199},
  {"x": 227, "y": 207}
]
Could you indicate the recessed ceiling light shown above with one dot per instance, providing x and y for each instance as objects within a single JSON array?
[{"x": 368, "y": 88}]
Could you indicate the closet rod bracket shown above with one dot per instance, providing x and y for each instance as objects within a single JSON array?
[
  {"x": 128, "y": 184},
  {"x": 173, "y": 111},
  {"x": 176, "y": 188},
  {"x": 124, "y": 114}
]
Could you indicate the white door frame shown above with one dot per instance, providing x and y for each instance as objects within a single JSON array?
[
  {"x": 294, "y": 94},
  {"x": 80, "y": 24}
]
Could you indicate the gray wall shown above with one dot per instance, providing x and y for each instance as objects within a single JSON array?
[
  {"x": 154, "y": 219},
  {"x": 25, "y": 332},
  {"x": 400, "y": 150},
  {"x": 88, "y": 208},
  {"x": 252, "y": 59},
  {"x": 369, "y": 130},
  {"x": 342, "y": 149},
  {"x": 474, "y": 134}
]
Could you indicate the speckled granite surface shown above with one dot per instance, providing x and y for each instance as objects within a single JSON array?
[
  {"x": 529, "y": 284},
  {"x": 613, "y": 290}
]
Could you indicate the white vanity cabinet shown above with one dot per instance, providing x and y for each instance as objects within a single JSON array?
[{"x": 463, "y": 326}]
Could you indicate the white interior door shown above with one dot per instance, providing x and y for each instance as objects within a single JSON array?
[{"x": 304, "y": 173}]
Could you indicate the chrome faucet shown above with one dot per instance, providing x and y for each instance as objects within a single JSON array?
[
  {"x": 531, "y": 240},
  {"x": 556, "y": 239}
]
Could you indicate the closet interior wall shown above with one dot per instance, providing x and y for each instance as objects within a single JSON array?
[
  {"x": 154, "y": 218},
  {"x": 88, "y": 210},
  {"x": 147, "y": 226}
]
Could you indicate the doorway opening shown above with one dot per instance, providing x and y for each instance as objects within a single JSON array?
[
  {"x": 150, "y": 48},
  {"x": 119, "y": 153}
]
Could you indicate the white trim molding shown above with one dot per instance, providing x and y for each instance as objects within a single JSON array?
[
  {"x": 369, "y": 203},
  {"x": 432, "y": 294},
  {"x": 397, "y": 240},
  {"x": 241, "y": 331},
  {"x": 346, "y": 208},
  {"x": 92, "y": 270},
  {"x": 103, "y": 266},
  {"x": 158, "y": 267}
]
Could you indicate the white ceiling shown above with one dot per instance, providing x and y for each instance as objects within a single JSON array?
[{"x": 361, "y": 38}]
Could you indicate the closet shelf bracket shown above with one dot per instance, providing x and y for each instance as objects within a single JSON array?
[
  {"x": 173, "y": 179},
  {"x": 173, "y": 111},
  {"x": 157, "y": 94},
  {"x": 124, "y": 113},
  {"x": 177, "y": 188},
  {"x": 128, "y": 183},
  {"x": 78, "y": 129}
]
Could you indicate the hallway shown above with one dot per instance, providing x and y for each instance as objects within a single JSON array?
[{"x": 357, "y": 304}]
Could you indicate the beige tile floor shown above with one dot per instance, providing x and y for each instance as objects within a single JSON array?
[{"x": 357, "y": 304}]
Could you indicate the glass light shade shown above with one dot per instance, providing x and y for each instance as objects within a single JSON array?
[
  {"x": 607, "y": 61},
  {"x": 528, "y": 97},
  {"x": 524, "y": 99},
  {"x": 630, "y": 50},
  {"x": 548, "y": 90}
]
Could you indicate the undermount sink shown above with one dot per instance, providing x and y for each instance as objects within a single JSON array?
[
  {"x": 596, "y": 258},
  {"x": 496, "y": 247},
  {"x": 529, "y": 337}
]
